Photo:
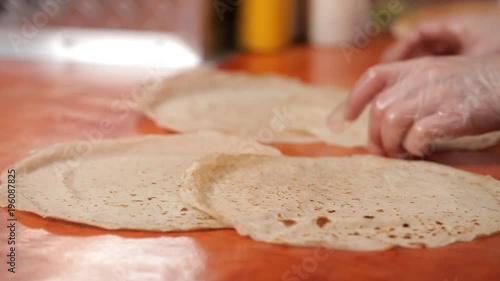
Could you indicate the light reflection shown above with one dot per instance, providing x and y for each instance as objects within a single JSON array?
[
  {"x": 126, "y": 49},
  {"x": 109, "y": 257},
  {"x": 103, "y": 47}
]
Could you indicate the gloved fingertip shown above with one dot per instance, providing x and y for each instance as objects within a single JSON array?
[
  {"x": 428, "y": 149},
  {"x": 416, "y": 151},
  {"x": 337, "y": 121}
]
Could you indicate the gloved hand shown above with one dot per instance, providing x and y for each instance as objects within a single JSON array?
[
  {"x": 470, "y": 34},
  {"x": 417, "y": 101}
]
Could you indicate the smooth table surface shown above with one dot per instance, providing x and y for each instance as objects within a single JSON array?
[{"x": 45, "y": 103}]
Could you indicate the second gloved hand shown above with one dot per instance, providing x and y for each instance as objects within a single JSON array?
[{"x": 470, "y": 35}]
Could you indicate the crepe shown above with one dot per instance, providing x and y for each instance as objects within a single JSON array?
[
  {"x": 311, "y": 111},
  {"x": 354, "y": 203},
  {"x": 467, "y": 142},
  {"x": 120, "y": 184},
  {"x": 269, "y": 109},
  {"x": 233, "y": 103}
]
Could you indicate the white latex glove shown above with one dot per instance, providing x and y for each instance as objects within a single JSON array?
[
  {"x": 417, "y": 101},
  {"x": 470, "y": 34}
]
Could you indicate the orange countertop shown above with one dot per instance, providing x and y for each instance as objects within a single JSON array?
[{"x": 43, "y": 103}]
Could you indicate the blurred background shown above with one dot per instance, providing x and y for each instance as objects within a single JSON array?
[{"x": 186, "y": 33}]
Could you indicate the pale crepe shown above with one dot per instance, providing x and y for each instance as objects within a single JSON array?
[
  {"x": 311, "y": 111},
  {"x": 468, "y": 142},
  {"x": 355, "y": 203},
  {"x": 270, "y": 109},
  {"x": 120, "y": 184},
  {"x": 234, "y": 103}
]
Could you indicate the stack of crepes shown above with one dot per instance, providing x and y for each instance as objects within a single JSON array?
[{"x": 227, "y": 179}]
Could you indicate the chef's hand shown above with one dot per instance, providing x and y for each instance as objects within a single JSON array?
[
  {"x": 471, "y": 35},
  {"x": 417, "y": 101}
]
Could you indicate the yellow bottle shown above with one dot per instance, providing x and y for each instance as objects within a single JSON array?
[{"x": 265, "y": 25}]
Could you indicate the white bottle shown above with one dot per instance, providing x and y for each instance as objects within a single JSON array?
[{"x": 333, "y": 22}]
